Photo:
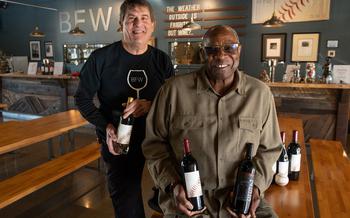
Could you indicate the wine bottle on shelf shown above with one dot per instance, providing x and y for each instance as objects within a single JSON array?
[
  {"x": 281, "y": 177},
  {"x": 192, "y": 178},
  {"x": 294, "y": 156},
  {"x": 124, "y": 132},
  {"x": 243, "y": 189}
]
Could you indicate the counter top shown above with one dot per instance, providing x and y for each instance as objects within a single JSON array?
[
  {"x": 24, "y": 75},
  {"x": 309, "y": 85}
]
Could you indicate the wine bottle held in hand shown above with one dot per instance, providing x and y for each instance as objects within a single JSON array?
[
  {"x": 124, "y": 132},
  {"x": 243, "y": 189},
  {"x": 192, "y": 178},
  {"x": 281, "y": 177},
  {"x": 294, "y": 156}
]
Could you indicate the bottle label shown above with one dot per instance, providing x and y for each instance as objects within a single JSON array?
[
  {"x": 245, "y": 187},
  {"x": 283, "y": 168},
  {"x": 193, "y": 184},
  {"x": 124, "y": 134},
  {"x": 295, "y": 163}
]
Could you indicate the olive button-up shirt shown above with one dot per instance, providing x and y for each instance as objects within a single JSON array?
[{"x": 218, "y": 128}]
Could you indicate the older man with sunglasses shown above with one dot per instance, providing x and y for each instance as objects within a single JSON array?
[{"x": 219, "y": 109}]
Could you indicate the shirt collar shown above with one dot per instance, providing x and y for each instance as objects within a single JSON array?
[{"x": 203, "y": 84}]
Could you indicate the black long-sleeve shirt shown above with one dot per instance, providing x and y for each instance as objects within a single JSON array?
[{"x": 105, "y": 73}]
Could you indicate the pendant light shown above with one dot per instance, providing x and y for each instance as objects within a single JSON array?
[
  {"x": 274, "y": 21},
  {"x": 76, "y": 31},
  {"x": 191, "y": 25},
  {"x": 37, "y": 33}
]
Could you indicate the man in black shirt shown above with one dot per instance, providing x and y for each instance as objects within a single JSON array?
[{"x": 127, "y": 68}]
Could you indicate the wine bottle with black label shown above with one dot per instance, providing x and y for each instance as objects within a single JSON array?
[
  {"x": 294, "y": 156},
  {"x": 243, "y": 189},
  {"x": 124, "y": 132},
  {"x": 192, "y": 178}
]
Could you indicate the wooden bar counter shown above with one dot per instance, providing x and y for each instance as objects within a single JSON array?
[
  {"x": 37, "y": 94},
  {"x": 324, "y": 108}
]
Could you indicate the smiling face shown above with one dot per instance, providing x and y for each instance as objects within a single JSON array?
[
  {"x": 137, "y": 26},
  {"x": 222, "y": 50}
]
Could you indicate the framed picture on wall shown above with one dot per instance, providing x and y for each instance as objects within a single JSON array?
[
  {"x": 35, "y": 50},
  {"x": 273, "y": 46},
  {"x": 305, "y": 47},
  {"x": 48, "y": 49}
]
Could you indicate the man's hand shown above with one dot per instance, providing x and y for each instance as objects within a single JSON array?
[
  {"x": 111, "y": 138},
  {"x": 182, "y": 203},
  {"x": 253, "y": 206},
  {"x": 137, "y": 108}
]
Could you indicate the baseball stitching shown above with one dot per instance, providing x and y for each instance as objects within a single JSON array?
[{"x": 288, "y": 9}]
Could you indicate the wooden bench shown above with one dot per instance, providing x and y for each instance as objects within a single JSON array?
[
  {"x": 23, "y": 184},
  {"x": 331, "y": 169},
  {"x": 295, "y": 199}
]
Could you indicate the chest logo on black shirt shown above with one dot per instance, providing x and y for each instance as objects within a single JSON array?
[{"x": 137, "y": 80}]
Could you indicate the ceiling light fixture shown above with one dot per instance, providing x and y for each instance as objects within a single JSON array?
[
  {"x": 77, "y": 31},
  {"x": 37, "y": 33},
  {"x": 274, "y": 21}
]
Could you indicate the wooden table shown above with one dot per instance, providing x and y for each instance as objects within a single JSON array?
[
  {"x": 20, "y": 134},
  {"x": 295, "y": 199},
  {"x": 331, "y": 177}
]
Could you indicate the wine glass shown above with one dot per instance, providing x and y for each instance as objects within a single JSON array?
[{"x": 137, "y": 80}]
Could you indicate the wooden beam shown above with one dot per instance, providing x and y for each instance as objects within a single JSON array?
[
  {"x": 231, "y": 17},
  {"x": 229, "y": 8},
  {"x": 238, "y": 26}
]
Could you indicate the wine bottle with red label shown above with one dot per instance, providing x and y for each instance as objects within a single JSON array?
[
  {"x": 244, "y": 185},
  {"x": 124, "y": 132},
  {"x": 192, "y": 179}
]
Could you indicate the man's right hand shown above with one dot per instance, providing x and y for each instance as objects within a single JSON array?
[
  {"x": 111, "y": 138},
  {"x": 182, "y": 203}
]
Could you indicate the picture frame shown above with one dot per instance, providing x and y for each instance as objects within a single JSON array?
[
  {"x": 35, "y": 50},
  {"x": 273, "y": 46},
  {"x": 305, "y": 47},
  {"x": 48, "y": 49}
]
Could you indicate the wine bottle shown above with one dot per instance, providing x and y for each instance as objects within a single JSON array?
[
  {"x": 243, "y": 189},
  {"x": 192, "y": 178},
  {"x": 124, "y": 132},
  {"x": 281, "y": 177},
  {"x": 294, "y": 156}
]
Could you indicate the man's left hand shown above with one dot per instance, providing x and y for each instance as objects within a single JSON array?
[
  {"x": 137, "y": 108},
  {"x": 253, "y": 206}
]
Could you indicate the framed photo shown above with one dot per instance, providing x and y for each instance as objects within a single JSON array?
[
  {"x": 273, "y": 46},
  {"x": 48, "y": 49},
  {"x": 35, "y": 50},
  {"x": 305, "y": 47}
]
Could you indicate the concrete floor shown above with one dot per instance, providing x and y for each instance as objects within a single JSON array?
[{"x": 80, "y": 194}]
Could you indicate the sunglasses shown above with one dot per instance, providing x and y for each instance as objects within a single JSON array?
[{"x": 227, "y": 48}]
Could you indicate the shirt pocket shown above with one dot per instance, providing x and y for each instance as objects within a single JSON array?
[
  {"x": 249, "y": 131},
  {"x": 187, "y": 126}
]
